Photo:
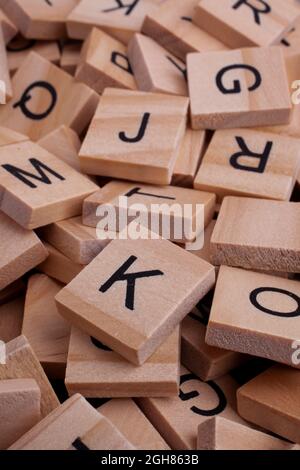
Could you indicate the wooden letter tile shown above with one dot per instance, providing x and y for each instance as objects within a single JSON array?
[
  {"x": 38, "y": 188},
  {"x": 177, "y": 419},
  {"x": 257, "y": 234},
  {"x": 149, "y": 197},
  {"x": 39, "y": 19},
  {"x": 155, "y": 69},
  {"x": 61, "y": 428},
  {"x": 20, "y": 251},
  {"x": 126, "y": 416},
  {"x": 133, "y": 295},
  {"x": 241, "y": 23},
  {"x": 46, "y": 97},
  {"x": 245, "y": 162},
  {"x": 239, "y": 88},
  {"x": 271, "y": 400},
  {"x": 95, "y": 371},
  {"x": 104, "y": 63},
  {"x": 21, "y": 362},
  {"x": 11, "y": 319},
  {"x": 103, "y": 436},
  {"x": 20, "y": 403},
  {"x": 172, "y": 27},
  {"x": 135, "y": 136},
  {"x": 59, "y": 266},
  {"x": 222, "y": 434},
  {"x": 46, "y": 330},
  {"x": 118, "y": 18},
  {"x": 256, "y": 314},
  {"x": 64, "y": 143}
]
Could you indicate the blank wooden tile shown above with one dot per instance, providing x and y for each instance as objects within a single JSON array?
[
  {"x": 257, "y": 234},
  {"x": 39, "y": 19},
  {"x": 189, "y": 157},
  {"x": 60, "y": 429},
  {"x": 20, "y": 251},
  {"x": 64, "y": 143},
  {"x": 20, "y": 402},
  {"x": 103, "y": 436},
  {"x": 222, "y": 434},
  {"x": 242, "y": 23},
  {"x": 255, "y": 313},
  {"x": 172, "y": 27},
  {"x": 137, "y": 321},
  {"x": 59, "y": 266},
  {"x": 46, "y": 330},
  {"x": 7, "y": 93},
  {"x": 239, "y": 88},
  {"x": 126, "y": 416},
  {"x": 75, "y": 240},
  {"x": 38, "y": 188},
  {"x": 95, "y": 371},
  {"x": 271, "y": 400},
  {"x": 46, "y": 97},
  {"x": 70, "y": 56},
  {"x": 11, "y": 319},
  {"x": 119, "y": 19},
  {"x": 104, "y": 63},
  {"x": 207, "y": 362},
  {"x": 244, "y": 162},
  {"x": 177, "y": 419},
  {"x": 155, "y": 69},
  {"x": 12, "y": 291},
  {"x": 149, "y": 196},
  {"x": 19, "y": 48},
  {"x": 21, "y": 362},
  {"x": 9, "y": 29},
  {"x": 135, "y": 136}
]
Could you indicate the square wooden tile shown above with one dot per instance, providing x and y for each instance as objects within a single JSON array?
[
  {"x": 103, "y": 436},
  {"x": 64, "y": 143},
  {"x": 135, "y": 136},
  {"x": 134, "y": 293},
  {"x": 260, "y": 316},
  {"x": 59, "y": 266},
  {"x": 257, "y": 234},
  {"x": 239, "y": 88}
]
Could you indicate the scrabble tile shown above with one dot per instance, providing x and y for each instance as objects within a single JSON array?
[
  {"x": 70, "y": 56},
  {"x": 103, "y": 436},
  {"x": 118, "y": 18},
  {"x": 257, "y": 234},
  {"x": 204, "y": 252},
  {"x": 12, "y": 291},
  {"x": 271, "y": 400},
  {"x": 19, "y": 48},
  {"x": 177, "y": 419},
  {"x": 155, "y": 69},
  {"x": 135, "y": 136},
  {"x": 170, "y": 283},
  {"x": 46, "y": 99},
  {"x": 207, "y": 362},
  {"x": 39, "y": 19},
  {"x": 6, "y": 93},
  {"x": 172, "y": 27},
  {"x": 8, "y": 27},
  {"x": 290, "y": 43},
  {"x": 147, "y": 197},
  {"x": 22, "y": 363},
  {"x": 104, "y": 63},
  {"x": 38, "y": 188},
  {"x": 11, "y": 319},
  {"x": 239, "y": 88},
  {"x": 75, "y": 240},
  {"x": 255, "y": 313},
  {"x": 20, "y": 402},
  {"x": 64, "y": 143},
  {"x": 189, "y": 157},
  {"x": 222, "y": 434},
  {"x": 20, "y": 251},
  {"x": 95, "y": 371},
  {"x": 47, "y": 332},
  {"x": 60, "y": 429},
  {"x": 242, "y": 23},
  {"x": 126, "y": 416},
  {"x": 59, "y": 266},
  {"x": 244, "y": 162}
]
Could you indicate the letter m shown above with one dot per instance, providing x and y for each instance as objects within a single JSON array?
[{"x": 26, "y": 176}]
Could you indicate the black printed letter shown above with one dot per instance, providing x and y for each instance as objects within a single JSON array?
[
  {"x": 255, "y": 293},
  {"x": 140, "y": 134},
  {"x": 236, "y": 83},
  {"x": 121, "y": 5},
  {"x": 126, "y": 66},
  {"x": 27, "y": 97},
  {"x": 38, "y": 166},
  {"x": 265, "y": 8},
  {"x": 245, "y": 152}
]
